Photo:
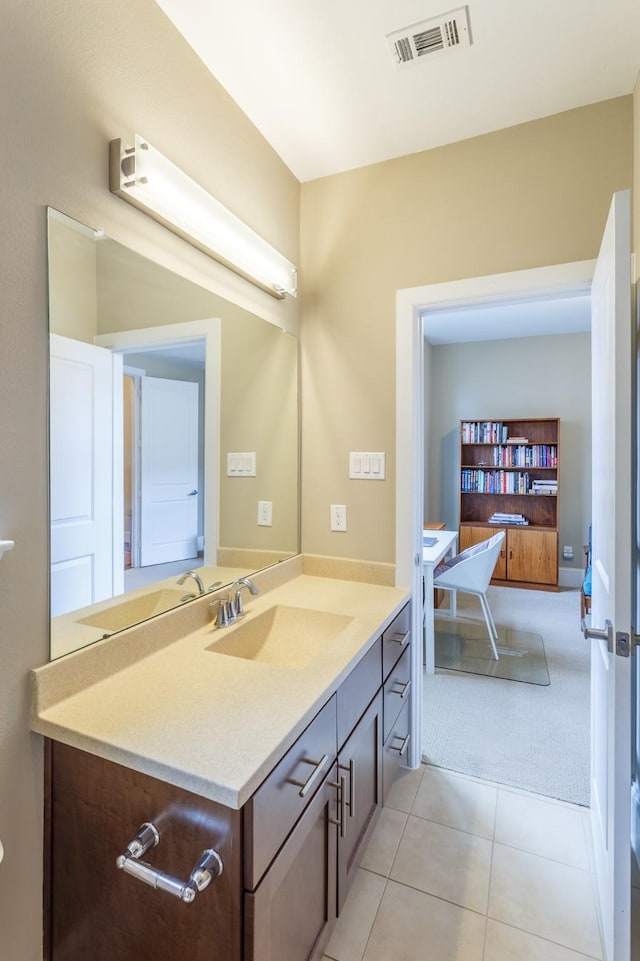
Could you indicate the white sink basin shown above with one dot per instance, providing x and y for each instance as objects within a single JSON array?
[
  {"x": 118, "y": 616},
  {"x": 281, "y": 636}
]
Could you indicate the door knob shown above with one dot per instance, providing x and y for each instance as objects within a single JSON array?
[{"x": 599, "y": 634}]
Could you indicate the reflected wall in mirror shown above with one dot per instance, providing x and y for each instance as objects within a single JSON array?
[{"x": 173, "y": 438}]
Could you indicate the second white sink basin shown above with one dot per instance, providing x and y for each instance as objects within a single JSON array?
[
  {"x": 118, "y": 616},
  {"x": 282, "y": 636}
]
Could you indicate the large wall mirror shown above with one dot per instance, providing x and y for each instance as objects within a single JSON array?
[{"x": 174, "y": 438}]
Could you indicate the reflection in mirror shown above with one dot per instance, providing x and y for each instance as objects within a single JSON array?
[{"x": 173, "y": 438}]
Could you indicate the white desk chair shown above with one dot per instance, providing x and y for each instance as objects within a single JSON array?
[{"x": 470, "y": 572}]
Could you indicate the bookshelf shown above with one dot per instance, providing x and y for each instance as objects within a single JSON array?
[{"x": 509, "y": 476}]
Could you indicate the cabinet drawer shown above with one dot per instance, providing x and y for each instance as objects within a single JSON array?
[
  {"x": 394, "y": 752},
  {"x": 396, "y": 692},
  {"x": 272, "y": 812},
  {"x": 357, "y": 691},
  {"x": 395, "y": 639}
]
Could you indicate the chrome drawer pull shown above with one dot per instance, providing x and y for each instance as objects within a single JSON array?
[
  {"x": 207, "y": 869},
  {"x": 406, "y": 687},
  {"x": 399, "y": 638},
  {"x": 351, "y": 768},
  {"x": 340, "y": 821},
  {"x": 403, "y": 747},
  {"x": 305, "y": 786}
]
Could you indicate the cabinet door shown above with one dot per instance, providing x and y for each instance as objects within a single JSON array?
[
  {"x": 532, "y": 555},
  {"x": 360, "y": 770},
  {"x": 102, "y": 914},
  {"x": 290, "y": 915},
  {"x": 474, "y": 535}
]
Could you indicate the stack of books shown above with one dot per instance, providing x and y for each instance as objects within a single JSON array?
[
  {"x": 518, "y": 520},
  {"x": 544, "y": 487}
]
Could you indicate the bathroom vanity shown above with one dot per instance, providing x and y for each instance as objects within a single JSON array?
[{"x": 272, "y": 743}]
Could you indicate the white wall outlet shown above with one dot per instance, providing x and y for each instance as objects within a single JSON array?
[
  {"x": 338, "y": 517},
  {"x": 265, "y": 513}
]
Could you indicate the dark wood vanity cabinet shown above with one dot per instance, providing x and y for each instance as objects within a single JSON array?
[
  {"x": 98, "y": 913},
  {"x": 289, "y": 855}
]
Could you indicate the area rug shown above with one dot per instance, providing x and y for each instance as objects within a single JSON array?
[
  {"x": 528, "y": 736},
  {"x": 463, "y": 645}
]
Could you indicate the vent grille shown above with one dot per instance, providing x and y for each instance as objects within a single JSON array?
[{"x": 437, "y": 35}]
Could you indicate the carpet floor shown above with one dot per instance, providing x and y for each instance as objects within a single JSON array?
[{"x": 523, "y": 735}]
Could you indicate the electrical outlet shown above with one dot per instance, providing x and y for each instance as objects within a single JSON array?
[
  {"x": 338, "y": 517},
  {"x": 265, "y": 513},
  {"x": 567, "y": 553}
]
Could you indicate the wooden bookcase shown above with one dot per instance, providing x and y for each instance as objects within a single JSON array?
[{"x": 499, "y": 475}]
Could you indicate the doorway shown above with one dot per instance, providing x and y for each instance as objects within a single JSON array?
[
  {"x": 560, "y": 280},
  {"x": 513, "y": 360}
]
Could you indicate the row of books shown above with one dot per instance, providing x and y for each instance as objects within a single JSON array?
[
  {"x": 484, "y": 432},
  {"x": 478, "y": 481},
  {"x": 518, "y": 520},
  {"x": 523, "y": 455}
]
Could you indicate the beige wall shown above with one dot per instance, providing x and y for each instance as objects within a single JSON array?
[
  {"x": 528, "y": 196},
  {"x": 73, "y": 304},
  {"x": 76, "y": 75},
  {"x": 503, "y": 379}
]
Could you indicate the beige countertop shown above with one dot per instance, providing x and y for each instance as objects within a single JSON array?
[{"x": 155, "y": 699}]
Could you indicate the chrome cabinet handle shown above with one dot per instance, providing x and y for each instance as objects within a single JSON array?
[
  {"x": 406, "y": 687},
  {"x": 399, "y": 638},
  {"x": 305, "y": 786},
  {"x": 351, "y": 768},
  {"x": 342, "y": 792},
  {"x": 207, "y": 869},
  {"x": 403, "y": 747}
]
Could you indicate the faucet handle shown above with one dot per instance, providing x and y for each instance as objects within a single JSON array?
[{"x": 225, "y": 614}]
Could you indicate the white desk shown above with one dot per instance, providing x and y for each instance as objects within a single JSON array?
[{"x": 446, "y": 543}]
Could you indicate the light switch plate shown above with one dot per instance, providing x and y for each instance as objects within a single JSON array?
[
  {"x": 367, "y": 465},
  {"x": 241, "y": 464}
]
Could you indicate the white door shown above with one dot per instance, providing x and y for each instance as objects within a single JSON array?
[
  {"x": 80, "y": 474},
  {"x": 612, "y": 554},
  {"x": 168, "y": 470}
]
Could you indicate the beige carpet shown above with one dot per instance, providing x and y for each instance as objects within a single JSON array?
[{"x": 523, "y": 735}]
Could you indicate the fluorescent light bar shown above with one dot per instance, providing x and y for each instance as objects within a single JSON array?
[{"x": 145, "y": 178}]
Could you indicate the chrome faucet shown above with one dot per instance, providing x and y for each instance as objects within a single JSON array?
[
  {"x": 228, "y": 608},
  {"x": 196, "y": 578},
  {"x": 236, "y": 598}
]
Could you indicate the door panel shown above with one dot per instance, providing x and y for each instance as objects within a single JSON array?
[
  {"x": 532, "y": 555},
  {"x": 168, "y": 470},
  {"x": 81, "y": 445},
  {"x": 474, "y": 535},
  {"x": 612, "y": 557},
  {"x": 359, "y": 763}
]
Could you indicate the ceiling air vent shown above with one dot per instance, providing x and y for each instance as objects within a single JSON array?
[{"x": 437, "y": 35}]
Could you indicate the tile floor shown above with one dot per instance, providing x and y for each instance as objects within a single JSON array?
[{"x": 465, "y": 870}]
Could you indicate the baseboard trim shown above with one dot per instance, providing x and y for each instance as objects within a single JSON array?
[{"x": 570, "y": 577}]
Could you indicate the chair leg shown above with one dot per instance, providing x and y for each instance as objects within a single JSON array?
[{"x": 491, "y": 627}]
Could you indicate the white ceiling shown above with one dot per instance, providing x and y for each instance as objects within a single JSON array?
[
  {"x": 497, "y": 321},
  {"x": 318, "y": 79}
]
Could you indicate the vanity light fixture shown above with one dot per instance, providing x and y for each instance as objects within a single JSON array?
[{"x": 145, "y": 178}]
